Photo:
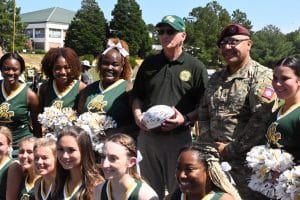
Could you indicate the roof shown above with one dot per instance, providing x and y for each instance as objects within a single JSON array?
[{"x": 55, "y": 14}]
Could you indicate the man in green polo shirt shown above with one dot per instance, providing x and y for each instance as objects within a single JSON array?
[{"x": 173, "y": 78}]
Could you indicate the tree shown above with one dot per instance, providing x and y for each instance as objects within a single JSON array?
[
  {"x": 88, "y": 29},
  {"x": 240, "y": 17},
  {"x": 203, "y": 31},
  {"x": 294, "y": 38},
  {"x": 128, "y": 25},
  {"x": 7, "y": 26},
  {"x": 270, "y": 45}
]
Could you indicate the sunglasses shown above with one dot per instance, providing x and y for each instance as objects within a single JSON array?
[
  {"x": 231, "y": 42},
  {"x": 167, "y": 31}
]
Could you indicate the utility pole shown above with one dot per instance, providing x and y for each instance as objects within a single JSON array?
[{"x": 14, "y": 29}]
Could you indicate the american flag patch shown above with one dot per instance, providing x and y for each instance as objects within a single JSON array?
[{"x": 268, "y": 92}]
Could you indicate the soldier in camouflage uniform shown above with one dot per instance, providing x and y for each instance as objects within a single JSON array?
[{"x": 237, "y": 105}]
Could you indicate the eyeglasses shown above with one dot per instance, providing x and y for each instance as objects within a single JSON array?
[
  {"x": 230, "y": 42},
  {"x": 167, "y": 31}
]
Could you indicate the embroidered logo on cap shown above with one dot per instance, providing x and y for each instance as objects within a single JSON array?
[
  {"x": 268, "y": 92},
  {"x": 170, "y": 19}
]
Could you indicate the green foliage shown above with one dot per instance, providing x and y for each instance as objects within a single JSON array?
[
  {"x": 203, "y": 31},
  {"x": 127, "y": 24},
  {"x": 132, "y": 61},
  {"x": 7, "y": 26},
  {"x": 153, "y": 32},
  {"x": 87, "y": 31},
  {"x": 240, "y": 17},
  {"x": 39, "y": 51},
  {"x": 270, "y": 45},
  {"x": 294, "y": 38}
]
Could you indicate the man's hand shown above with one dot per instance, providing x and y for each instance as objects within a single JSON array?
[
  {"x": 139, "y": 121},
  {"x": 173, "y": 122}
]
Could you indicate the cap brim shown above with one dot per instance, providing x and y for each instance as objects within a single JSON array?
[{"x": 161, "y": 24}]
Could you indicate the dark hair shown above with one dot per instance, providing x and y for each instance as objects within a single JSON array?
[
  {"x": 204, "y": 151},
  {"x": 53, "y": 54},
  {"x": 291, "y": 62},
  {"x": 15, "y": 56},
  {"x": 90, "y": 173}
]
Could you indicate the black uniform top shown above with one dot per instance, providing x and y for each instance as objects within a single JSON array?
[{"x": 178, "y": 83}]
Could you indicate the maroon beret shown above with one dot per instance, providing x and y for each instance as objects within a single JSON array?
[{"x": 233, "y": 29}]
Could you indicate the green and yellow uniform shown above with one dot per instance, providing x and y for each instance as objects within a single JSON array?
[
  {"x": 71, "y": 195},
  {"x": 112, "y": 101},
  {"x": 131, "y": 194},
  {"x": 178, "y": 195},
  {"x": 3, "y": 177},
  {"x": 283, "y": 131},
  {"x": 27, "y": 190},
  {"x": 14, "y": 113},
  {"x": 60, "y": 99}
]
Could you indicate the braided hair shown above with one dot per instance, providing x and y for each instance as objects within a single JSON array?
[
  {"x": 129, "y": 143},
  {"x": 209, "y": 156}
]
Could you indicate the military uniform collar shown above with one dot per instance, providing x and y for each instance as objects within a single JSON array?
[{"x": 242, "y": 73}]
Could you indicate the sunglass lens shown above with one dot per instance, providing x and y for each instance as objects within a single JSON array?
[{"x": 168, "y": 31}]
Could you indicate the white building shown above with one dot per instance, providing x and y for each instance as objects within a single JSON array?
[{"x": 47, "y": 28}]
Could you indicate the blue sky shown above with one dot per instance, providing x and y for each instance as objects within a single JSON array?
[{"x": 283, "y": 14}]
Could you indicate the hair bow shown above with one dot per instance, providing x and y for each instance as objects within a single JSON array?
[{"x": 111, "y": 45}]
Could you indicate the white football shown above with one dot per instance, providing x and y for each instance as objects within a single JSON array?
[{"x": 156, "y": 115}]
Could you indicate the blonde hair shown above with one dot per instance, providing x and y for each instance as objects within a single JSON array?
[
  {"x": 45, "y": 142},
  {"x": 27, "y": 139},
  {"x": 7, "y": 133}
]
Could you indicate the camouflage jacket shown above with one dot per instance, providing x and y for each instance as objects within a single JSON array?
[{"x": 236, "y": 108}]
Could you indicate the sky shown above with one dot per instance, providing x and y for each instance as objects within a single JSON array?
[{"x": 284, "y": 14}]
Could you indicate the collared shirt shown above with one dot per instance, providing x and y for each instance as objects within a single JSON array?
[{"x": 179, "y": 83}]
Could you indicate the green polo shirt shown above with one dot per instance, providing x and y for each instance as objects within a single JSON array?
[{"x": 180, "y": 83}]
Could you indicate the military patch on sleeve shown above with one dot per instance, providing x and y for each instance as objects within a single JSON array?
[{"x": 268, "y": 92}]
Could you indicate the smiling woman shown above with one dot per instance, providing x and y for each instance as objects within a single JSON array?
[
  {"x": 77, "y": 173},
  {"x": 110, "y": 95},
  {"x": 119, "y": 165},
  {"x": 17, "y": 101},
  {"x": 199, "y": 175},
  {"x": 45, "y": 165},
  {"x": 62, "y": 67}
]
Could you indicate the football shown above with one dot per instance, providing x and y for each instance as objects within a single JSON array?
[{"x": 156, "y": 115}]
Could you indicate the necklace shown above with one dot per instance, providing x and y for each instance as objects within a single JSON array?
[{"x": 126, "y": 194}]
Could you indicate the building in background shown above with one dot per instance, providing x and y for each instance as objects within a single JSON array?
[{"x": 47, "y": 28}]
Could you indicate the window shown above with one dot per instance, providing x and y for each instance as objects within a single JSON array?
[
  {"x": 54, "y": 33},
  {"x": 29, "y": 32},
  {"x": 39, "y": 32}
]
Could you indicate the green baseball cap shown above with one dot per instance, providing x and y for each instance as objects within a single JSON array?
[{"x": 174, "y": 21}]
